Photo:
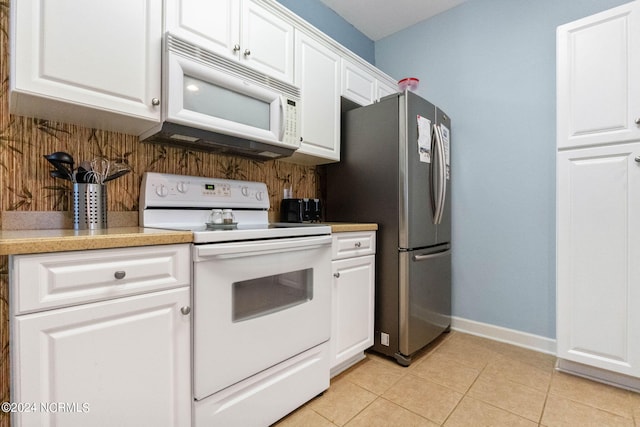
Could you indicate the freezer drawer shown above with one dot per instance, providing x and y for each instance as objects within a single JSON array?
[{"x": 425, "y": 297}]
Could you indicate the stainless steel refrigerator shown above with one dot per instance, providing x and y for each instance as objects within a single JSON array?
[{"x": 395, "y": 171}]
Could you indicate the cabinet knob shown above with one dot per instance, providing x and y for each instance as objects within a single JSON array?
[
  {"x": 119, "y": 274},
  {"x": 358, "y": 244},
  {"x": 247, "y": 52},
  {"x": 637, "y": 159},
  {"x": 185, "y": 310},
  {"x": 638, "y": 121},
  {"x": 336, "y": 275},
  {"x": 155, "y": 102},
  {"x": 236, "y": 47}
]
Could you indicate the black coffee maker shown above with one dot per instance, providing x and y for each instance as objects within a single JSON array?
[{"x": 300, "y": 210}]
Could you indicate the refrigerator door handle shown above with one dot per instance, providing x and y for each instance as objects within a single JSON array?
[
  {"x": 442, "y": 186},
  {"x": 432, "y": 176},
  {"x": 431, "y": 256},
  {"x": 443, "y": 171}
]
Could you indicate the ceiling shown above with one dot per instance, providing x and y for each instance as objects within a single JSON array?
[{"x": 379, "y": 18}]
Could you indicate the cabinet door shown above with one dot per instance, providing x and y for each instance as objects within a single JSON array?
[
  {"x": 213, "y": 25},
  {"x": 318, "y": 76},
  {"x": 598, "y": 248},
  {"x": 100, "y": 55},
  {"x": 357, "y": 84},
  {"x": 123, "y": 362},
  {"x": 385, "y": 89},
  {"x": 267, "y": 42},
  {"x": 598, "y": 90},
  {"x": 352, "y": 307}
]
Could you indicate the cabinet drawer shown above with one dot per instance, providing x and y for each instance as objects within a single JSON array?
[
  {"x": 351, "y": 244},
  {"x": 52, "y": 280}
]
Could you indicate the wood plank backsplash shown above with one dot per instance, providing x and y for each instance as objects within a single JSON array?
[{"x": 27, "y": 186}]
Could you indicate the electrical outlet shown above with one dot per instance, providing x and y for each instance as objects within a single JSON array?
[{"x": 384, "y": 339}]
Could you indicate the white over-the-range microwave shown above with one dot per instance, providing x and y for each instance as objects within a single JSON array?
[{"x": 211, "y": 103}]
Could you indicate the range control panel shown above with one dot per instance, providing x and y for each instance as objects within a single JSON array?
[{"x": 172, "y": 191}]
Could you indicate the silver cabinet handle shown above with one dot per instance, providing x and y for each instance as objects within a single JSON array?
[
  {"x": 637, "y": 159},
  {"x": 336, "y": 275},
  {"x": 247, "y": 52},
  {"x": 185, "y": 310},
  {"x": 358, "y": 244},
  {"x": 236, "y": 47},
  {"x": 155, "y": 102},
  {"x": 120, "y": 274},
  {"x": 638, "y": 121}
]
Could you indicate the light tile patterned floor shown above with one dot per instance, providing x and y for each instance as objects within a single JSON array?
[{"x": 463, "y": 380}]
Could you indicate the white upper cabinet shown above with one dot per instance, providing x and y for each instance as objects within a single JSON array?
[
  {"x": 358, "y": 84},
  {"x": 385, "y": 88},
  {"x": 92, "y": 63},
  {"x": 214, "y": 25},
  {"x": 318, "y": 76},
  {"x": 241, "y": 30},
  {"x": 597, "y": 78}
]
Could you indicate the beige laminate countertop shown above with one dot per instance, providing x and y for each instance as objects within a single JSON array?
[
  {"x": 343, "y": 227},
  {"x": 14, "y": 242}
]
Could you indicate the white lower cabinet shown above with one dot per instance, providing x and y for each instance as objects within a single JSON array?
[
  {"x": 121, "y": 361},
  {"x": 353, "y": 294}
]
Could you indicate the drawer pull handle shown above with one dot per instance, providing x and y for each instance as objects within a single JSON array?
[
  {"x": 120, "y": 274},
  {"x": 336, "y": 275},
  {"x": 185, "y": 310},
  {"x": 358, "y": 244}
]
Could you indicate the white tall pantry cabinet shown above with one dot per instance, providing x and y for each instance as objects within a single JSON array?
[{"x": 598, "y": 196}]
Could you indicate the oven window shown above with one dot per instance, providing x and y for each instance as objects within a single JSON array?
[
  {"x": 266, "y": 295},
  {"x": 216, "y": 101}
]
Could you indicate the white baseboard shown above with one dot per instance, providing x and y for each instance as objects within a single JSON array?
[{"x": 509, "y": 336}]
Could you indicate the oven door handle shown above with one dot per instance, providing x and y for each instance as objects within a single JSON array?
[{"x": 242, "y": 249}]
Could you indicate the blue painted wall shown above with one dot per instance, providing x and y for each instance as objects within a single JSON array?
[
  {"x": 490, "y": 64},
  {"x": 332, "y": 24}
]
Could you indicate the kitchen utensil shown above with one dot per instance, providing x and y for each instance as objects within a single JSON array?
[
  {"x": 99, "y": 170},
  {"x": 57, "y": 174},
  {"x": 81, "y": 175},
  {"x": 117, "y": 174},
  {"x": 63, "y": 162}
]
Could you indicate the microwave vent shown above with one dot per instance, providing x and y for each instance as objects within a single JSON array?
[{"x": 212, "y": 59}]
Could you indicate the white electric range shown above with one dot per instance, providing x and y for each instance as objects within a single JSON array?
[{"x": 261, "y": 298}]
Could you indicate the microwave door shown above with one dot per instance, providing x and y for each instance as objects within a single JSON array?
[{"x": 205, "y": 98}]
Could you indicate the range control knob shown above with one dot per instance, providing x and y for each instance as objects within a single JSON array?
[
  {"x": 162, "y": 190},
  {"x": 182, "y": 187},
  {"x": 259, "y": 195},
  {"x": 245, "y": 191}
]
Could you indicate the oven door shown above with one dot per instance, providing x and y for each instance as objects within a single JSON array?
[{"x": 257, "y": 304}]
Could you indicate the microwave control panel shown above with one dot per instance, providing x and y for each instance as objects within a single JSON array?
[{"x": 291, "y": 129}]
